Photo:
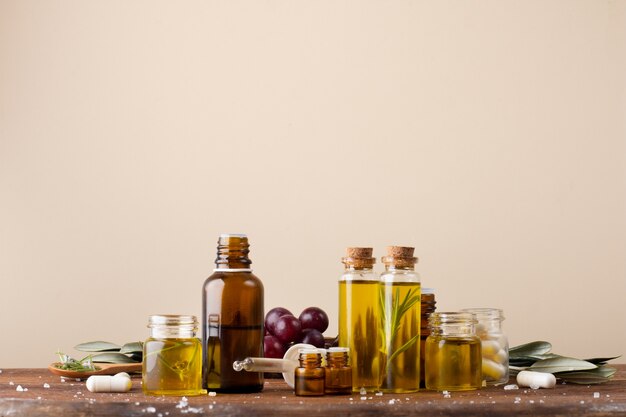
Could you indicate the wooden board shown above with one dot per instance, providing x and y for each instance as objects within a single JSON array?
[{"x": 72, "y": 398}]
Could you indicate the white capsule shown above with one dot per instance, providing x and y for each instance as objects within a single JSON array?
[
  {"x": 124, "y": 374},
  {"x": 536, "y": 380},
  {"x": 108, "y": 383},
  {"x": 490, "y": 348},
  {"x": 492, "y": 369}
]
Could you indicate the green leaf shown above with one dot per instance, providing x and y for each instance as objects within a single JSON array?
[
  {"x": 561, "y": 364},
  {"x": 97, "y": 346},
  {"x": 530, "y": 349},
  {"x": 594, "y": 376},
  {"x": 601, "y": 361},
  {"x": 113, "y": 357},
  {"x": 132, "y": 347}
]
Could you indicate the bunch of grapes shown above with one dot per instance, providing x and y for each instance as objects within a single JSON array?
[{"x": 282, "y": 329}]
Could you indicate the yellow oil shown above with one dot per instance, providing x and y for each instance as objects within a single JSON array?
[
  {"x": 172, "y": 367},
  {"x": 400, "y": 361},
  {"x": 359, "y": 321},
  {"x": 453, "y": 363}
]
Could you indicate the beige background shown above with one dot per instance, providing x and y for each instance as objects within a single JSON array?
[{"x": 490, "y": 135}]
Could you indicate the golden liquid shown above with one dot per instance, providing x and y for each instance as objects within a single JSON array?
[
  {"x": 453, "y": 363},
  {"x": 232, "y": 331},
  {"x": 172, "y": 367},
  {"x": 400, "y": 362},
  {"x": 359, "y": 321}
]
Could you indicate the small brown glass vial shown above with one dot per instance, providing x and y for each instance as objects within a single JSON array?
[
  {"x": 338, "y": 372},
  {"x": 428, "y": 307},
  {"x": 309, "y": 376}
]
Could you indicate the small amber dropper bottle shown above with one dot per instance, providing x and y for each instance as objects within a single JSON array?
[{"x": 309, "y": 376}]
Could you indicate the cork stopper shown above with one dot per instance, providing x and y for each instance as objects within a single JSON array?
[
  {"x": 359, "y": 258},
  {"x": 400, "y": 256}
]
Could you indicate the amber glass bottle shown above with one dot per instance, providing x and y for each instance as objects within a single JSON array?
[
  {"x": 338, "y": 373},
  {"x": 309, "y": 376},
  {"x": 232, "y": 319}
]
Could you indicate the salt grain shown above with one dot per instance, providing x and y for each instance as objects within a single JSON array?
[
  {"x": 596, "y": 395},
  {"x": 212, "y": 393},
  {"x": 46, "y": 385},
  {"x": 392, "y": 401},
  {"x": 510, "y": 387},
  {"x": 517, "y": 400},
  {"x": 379, "y": 394},
  {"x": 11, "y": 383},
  {"x": 363, "y": 391},
  {"x": 137, "y": 403},
  {"x": 19, "y": 388},
  {"x": 363, "y": 398},
  {"x": 582, "y": 402},
  {"x": 150, "y": 410}
]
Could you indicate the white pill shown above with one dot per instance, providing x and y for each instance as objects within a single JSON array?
[
  {"x": 536, "y": 380},
  {"x": 490, "y": 347},
  {"x": 108, "y": 383},
  {"x": 492, "y": 369}
]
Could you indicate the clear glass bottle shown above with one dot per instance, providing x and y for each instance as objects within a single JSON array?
[
  {"x": 400, "y": 309},
  {"x": 359, "y": 317},
  {"x": 172, "y": 357},
  {"x": 453, "y": 353},
  {"x": 309, "y": 376},
  {"x": 338, "y": 373},
  {"x": 495, "y": 345},
  {"x": 232, "y": 318}
]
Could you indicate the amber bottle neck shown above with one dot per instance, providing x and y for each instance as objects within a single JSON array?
[{"x": 232, "y": 252}]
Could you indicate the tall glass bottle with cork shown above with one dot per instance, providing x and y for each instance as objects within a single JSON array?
[
  {"x": 359, "y": 317},
  {"x": 400, "y": 310},
  {"x": 232, "y": 319}
]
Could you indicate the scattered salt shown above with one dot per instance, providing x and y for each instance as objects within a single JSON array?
[
  {"x": 363, "y": 391},
  {"x": 19, "y": 388},
  {"x": 582, "y": 402},
  {"x": 212, "y": 393},
  {"x": 77, "y": 379},
  {"x": 0, "y": 371},
  {"x": 182, "y": 403},
  {"x": 150, "y": 410},
  {"x": 351, "y": 399},
  {"x": 517, "y": 400},
  {"x": 137, "y": 403},
  {"x": 510, "y": 387},
  {"x": 39, "y": 398},
  {"x": 363, "y": 398},
  {"x": 531, "y": 401},
  {"x": 210, "y": 406},
  {"x": 11, "y": 383},
  {"x": 283, "y": 397},
  {"x": 596, "y": 395},
  {"x": 46, "y": 385},
  {"x": 379, "y": 394},
  {"x": 534, "y": 386},
  {"x": 392, "y": 401}
]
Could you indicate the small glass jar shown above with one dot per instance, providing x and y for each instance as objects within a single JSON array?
[
  {"x": 338, "y": 373},
  {"x": 495, "y": 345},
  {"x": 309, "y": 376},
  {"x": 172, "y": 357},
  {"x": 453, "y": 353}
]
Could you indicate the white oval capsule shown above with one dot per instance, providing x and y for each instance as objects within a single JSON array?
[
  {"x": 536, "y": 380},
  {"x": 108, "y": 383}
]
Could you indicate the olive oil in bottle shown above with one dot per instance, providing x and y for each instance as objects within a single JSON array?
[
  {"x": 232, "y": 319},
  {"x": 400, "y": 308},
  {"x": 453, "y": 353},
  {"x": 359, "y": 317},
  {"x": 172, "y": 357}
]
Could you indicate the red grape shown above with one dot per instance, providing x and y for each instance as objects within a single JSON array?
[
  {"x": 272, "y": 347},
  {"x": 273, "y": 315},
  {"x": 312, "y": 337},
  {"x": 287, "y": 328},
  {"x": 314, "y": 318}
]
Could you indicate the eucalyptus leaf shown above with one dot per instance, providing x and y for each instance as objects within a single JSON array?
[
  {"x": 97, "y": 346},
  {"x": 602, "y": 361},
  {"x": 132, "y": 347},
  {"x": 112, "y": 357},
  {"x": 594, "y": 376},
  {"x": 530, "y": 349},
  {"x": 561, "y": 364},
  {"x": 137, "y": 357}
]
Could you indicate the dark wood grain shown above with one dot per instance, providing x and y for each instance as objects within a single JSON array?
[{"x": 72, "y": 398}]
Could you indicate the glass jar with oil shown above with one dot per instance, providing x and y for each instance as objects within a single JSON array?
[
  {"x": 172, "y": 357},
  {"x": 359, "y": 317},
  {"x": 453, "y": 353},
  {"x": 400, "y": 295}
]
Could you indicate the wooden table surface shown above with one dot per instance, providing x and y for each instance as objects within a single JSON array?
[{"x": 44, "y": 394}]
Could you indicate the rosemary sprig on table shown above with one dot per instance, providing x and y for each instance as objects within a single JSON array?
[
  {"x": 68, "y": 363},
  {"x": 536, "y": 356}
]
